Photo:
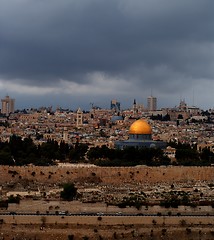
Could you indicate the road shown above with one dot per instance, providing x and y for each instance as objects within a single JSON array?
[{"x": 117, "y": 214}]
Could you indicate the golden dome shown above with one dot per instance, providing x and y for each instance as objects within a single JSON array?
[{"x": 140, "y": 127}]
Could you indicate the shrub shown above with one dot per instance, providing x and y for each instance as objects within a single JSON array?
[
  {"x": 70, "y": 237},
  {"x": 69, "y": 192},
  {"x": 188, "y": 230},
  {"x": 154, "y": 221}
]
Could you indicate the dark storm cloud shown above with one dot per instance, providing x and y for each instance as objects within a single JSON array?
[{"x": 153, "y": 43}]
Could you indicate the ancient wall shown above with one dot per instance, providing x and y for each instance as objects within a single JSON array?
[{"x": 75, "y": 173}]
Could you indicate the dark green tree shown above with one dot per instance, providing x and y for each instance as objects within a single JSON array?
[
  {"x": 69, "y": 192},
  {"x": 207, "y": 156},
  {"x": 187, "y": 157},
  {"x": 78, "y": 152}
]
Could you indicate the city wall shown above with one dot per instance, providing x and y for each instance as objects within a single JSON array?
[{"x": 108, "y": 175}]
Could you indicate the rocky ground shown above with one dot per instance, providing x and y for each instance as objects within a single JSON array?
[
  {"x": 77, "y": 232},
  {"x": 117, "y": 227}
]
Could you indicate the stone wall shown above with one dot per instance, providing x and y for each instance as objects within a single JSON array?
[{"x": 76, "y": 173}]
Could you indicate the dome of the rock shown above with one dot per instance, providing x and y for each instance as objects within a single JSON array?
[
  {"x": 140, "y": 136},
  {"x": 140, "y": 127}
]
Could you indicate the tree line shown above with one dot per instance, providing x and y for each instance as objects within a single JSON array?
[{"x": 18, "y": 151}]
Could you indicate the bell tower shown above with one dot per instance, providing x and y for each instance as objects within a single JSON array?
[
  {"x": 65, "y": 134},
  {"x": 79, "y": 118}
]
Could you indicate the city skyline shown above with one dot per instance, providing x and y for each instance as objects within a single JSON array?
[
  {"x": 73, "y": 53},
  {"x": 8, "y": 106}
]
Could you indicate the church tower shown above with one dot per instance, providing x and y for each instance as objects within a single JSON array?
[
  {"x": 65, "y": 134},
  {"x": 79, "y": 118},
  {"x": 134, "y": 107}
]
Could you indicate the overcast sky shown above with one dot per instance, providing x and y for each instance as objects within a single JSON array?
[{"x": 71, "y": 53}]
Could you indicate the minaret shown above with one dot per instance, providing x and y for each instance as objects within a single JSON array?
[{"x": 79, "y": 118}]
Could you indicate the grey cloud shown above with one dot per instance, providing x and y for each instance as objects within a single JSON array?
[{"x": 152, "y": 43}]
